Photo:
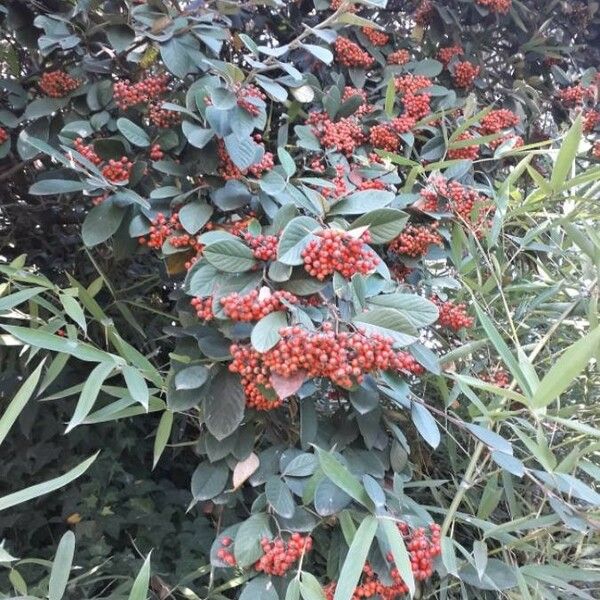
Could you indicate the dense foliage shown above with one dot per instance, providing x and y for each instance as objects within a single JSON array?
[{"x": 299, "y": 299}]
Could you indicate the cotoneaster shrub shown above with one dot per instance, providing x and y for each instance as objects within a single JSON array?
[{"x": 337, "y": 198}]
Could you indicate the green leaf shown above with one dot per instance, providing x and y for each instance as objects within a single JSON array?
[
  {"x": 139, "y": 590},
  {"x": 310, "y": 587},
  {"x": 208, "y": 481},
  {"x": 74, "y": 310},
  {"x": 425, "y": 424},
  {"x": 47, "y": 486},
  {"x": 194, "y": 216},
  {"x": 197, "y": 136},
  {"x": 565, "y": 370},
  {"x": 265, "y": 333},
  {"x": 480, "y": 556},
  {"x": 294, "y": 238},
  {"x": 101, "y": 223},
  {"x": 418, "y": 311},
  {"x": 399, "y": 552},
  {"x": 42, "y": 339},
  {"x": 279, "y": 497},
  {"x": 17, "y": 404},
  {"x": 89, "y": 393},
  {"x": 137, "y": 386},
  {"x": 272, "y": 183},
  {"x": 449, "y": 556},
  {"x": 163, "y": 433},
  {"x": 384, "y": 223},
  {"x": 12, "y": 300},
  {"x": 490, "y": 438},
  {"x": 390, "y": 322},
  {"x": 323, "y": 54},
  {"x": 505, "y": 354},
  {"x": 247, "y": 548},
  {"x": 134, "y": 133},
  {"x": 61, "y": 566},
  {"x": 361, "y": 202},
  {"x": 355, "y": 559},
  {"x": 191, "y": 378},
  {"x": 42, "y": 107},
  {"x": 390, "y": 97},
  {"x": 260, "y": 588},
  {"x": 224, "y": 405},
  {"x": 566, "y": 155},
  {"x": 51, "y": 187},
  {"x": 244, "y": 151},
  {"x": 231, "y": 256},
  {"x": 342, "y": 478},
  {"x": 293, "y": 590}
]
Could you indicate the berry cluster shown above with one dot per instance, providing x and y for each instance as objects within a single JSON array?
[
  {"x": 590, "y": 120},
  {"x": 334, "y": 250},
  {"x": 383, "y": 136},
  {"x": 376, "y": 37},
  {"x": 58, "y": 84},
  {"x": 224, "y": 554},
  {"x": 424, "y": 13},
  {"x": 163, "y": 118},
  {"x": 350, "y": 54},
  {"x": 339, "y": 181},
  {"x": 243, "y": 101},
  {"x": 415, "y": 240},
  {"x": 156, "y": 152},
  {"x": 87, "y": 151},
  {"x": 493, "y": 144},
  {"x": 3, "y": 135},
  {"x": 344, "y": 135},
  {"x": 171, "y": 229},
  {"x": 411, "y": 84},
  {"x": 596, "y": 150},
  {"x": 371, "y": 184},
  {"x": 467, "y": 152},
  {"x": 465, "y": 73},
  {"x": 117, "y": 171},
  {"x": 404, "y": 123},
  {"x": 573, "y": 95},
  {"x": 500, "y": 378},
  {"x": 498, "y": 120},
  {"x": 445, "y": 55},
  {"x": 399, "y": 57},
  {"x": 466, "y": 203},
  {"x": 255, "y": 378},
  {"x": 228, "y": 170},
  {"x": 264, "y": 247},
  {"x": 254, "y": 305},
  {"x": 416, "y": 106},
  {"x": 365, "y": 107},
  {"x": 203, "y": 308},
  {"x": 279, "y": 555},
  {"x": 453, "y": 316},
  {"x": 336, "y": 4},
  {"x": 129, "y": 94},
  {"x": 423, "y": 549},
  {"x": 496, "y": 6},
  {"x": 343, "y": 358}
]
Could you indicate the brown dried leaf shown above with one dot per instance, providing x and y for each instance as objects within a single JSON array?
[{"x": 244, "y": 469}]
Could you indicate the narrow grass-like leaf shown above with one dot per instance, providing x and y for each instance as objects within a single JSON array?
[
  {"x": 355, "y": 559},
  {"x": 17, "y": 404},
  {"x": 61, "y": 566},
  {"x": 566, "y": 369},
  {"x": 47, "y": 486}
]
